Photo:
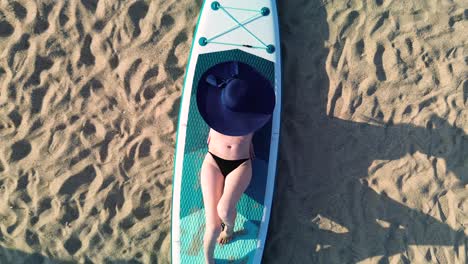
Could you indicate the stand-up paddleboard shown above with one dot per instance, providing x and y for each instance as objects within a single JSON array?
[{"x": 227, "y": 30}]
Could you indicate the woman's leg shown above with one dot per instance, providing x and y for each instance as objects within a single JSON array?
[
  {"x": 212, "y": 182},
  {"x": 235, "y": 184}
]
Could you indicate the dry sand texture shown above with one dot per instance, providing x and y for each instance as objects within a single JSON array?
[
  {"x": 89, "y": 98},
  {"x": 374, "y": 154},
  {"x": 374, "y": 149}
]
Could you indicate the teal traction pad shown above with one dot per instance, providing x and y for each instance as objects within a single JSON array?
[{"x": 251, "y": 205}]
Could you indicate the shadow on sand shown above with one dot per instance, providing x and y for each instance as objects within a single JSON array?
[
  {"x": 8, "y": 256},
  {"x": 324, "y": 176},
  {"x": 16, "y": 256}
]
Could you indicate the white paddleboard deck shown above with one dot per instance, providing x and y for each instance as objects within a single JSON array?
[{"x": 240, "y": 30}]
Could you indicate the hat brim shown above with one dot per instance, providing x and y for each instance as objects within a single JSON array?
[{"x": 223, "y": 119}]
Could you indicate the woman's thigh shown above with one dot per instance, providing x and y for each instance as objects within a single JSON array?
[
  {"x": 212, "y": 182},
  {"x": 236, "y": 183}
]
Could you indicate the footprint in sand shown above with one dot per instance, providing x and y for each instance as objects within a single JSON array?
[
  {"x": 380, "y": 22},
  {"x": 172, "y": 61},
  {"x": 37, "y": 98},
  {"x": 360, "y": 47},
  {"x": 93, "y": 85},
  {"x": 20, "y": 150},
  {"x": 149, "y": 77},
  {"x": 19, "y": 52},
  {"x": 42, "y": 23},
  {"x": 15, "y": 117},
  {"x": 72, "y": 245},
  {"x": 142, "y": 211},
  {"x": 91, "y": 5},
  {"x": 19, "y": 10},
  {"x": 86, "y": 56},
  {"x": 129, "y": 74},
  {"x": 63, "y": 17},
  {"x": 41, "y": 64},
  {"x": 137, "y": 11},
  {"x": 32, "y": 239},
  {"x": 409, "y": 45},
  {"x": 381, "y": 76},
  {"x": 458, "y": 18},
  {"x": 6, "y": 29},
  {"x": 74, "y": 182}
]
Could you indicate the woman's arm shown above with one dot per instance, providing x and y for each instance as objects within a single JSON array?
[
  {"x": 252, "y": 151},
  {"x": 208, "y": 139}
]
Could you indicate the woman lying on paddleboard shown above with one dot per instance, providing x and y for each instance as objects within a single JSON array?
[{"x": 235, "y": 101}]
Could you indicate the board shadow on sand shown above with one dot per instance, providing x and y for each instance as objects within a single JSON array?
[
  {"x": 324, "y": 162},
  {"x": 8, "y": 255}
]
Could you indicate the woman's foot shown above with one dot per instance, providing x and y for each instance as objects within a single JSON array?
[{"x": 226, "y": 234}]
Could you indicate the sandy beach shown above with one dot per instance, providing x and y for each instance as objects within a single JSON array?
[{"x": 373, "y": 161}]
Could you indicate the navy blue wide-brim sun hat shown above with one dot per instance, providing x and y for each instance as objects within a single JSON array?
[{"x": 234, "y": 99}]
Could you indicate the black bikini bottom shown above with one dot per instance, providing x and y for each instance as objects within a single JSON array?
[{"x": 226, "y": 166}]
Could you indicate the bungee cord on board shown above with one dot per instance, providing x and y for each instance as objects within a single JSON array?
[{"x": 265, "y": 11}]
